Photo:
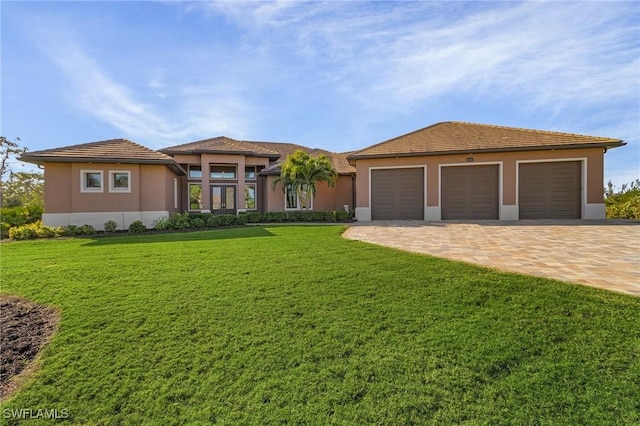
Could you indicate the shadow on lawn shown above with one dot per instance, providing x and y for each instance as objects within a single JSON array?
[{"x": 181, "y": 236}]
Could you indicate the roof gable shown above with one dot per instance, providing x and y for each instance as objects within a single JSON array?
[
  {"x": 456, "y": 137},
  {"x": 222, "y": 145},
  {"x": 107, "y": 151}
]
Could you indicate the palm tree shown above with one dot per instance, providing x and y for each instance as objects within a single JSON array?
[{"x": 300, "y": 174}]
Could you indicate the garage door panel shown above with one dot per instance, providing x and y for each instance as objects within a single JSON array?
[
  {"x": 469, "y": 192},
  {"x": 397, "y": 194},
  {"x": 550, "y": 190}
]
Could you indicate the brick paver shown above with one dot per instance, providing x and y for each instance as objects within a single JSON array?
[{"x": 601, "y": 254}]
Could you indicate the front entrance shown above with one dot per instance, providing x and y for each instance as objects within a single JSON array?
[{"x": 223, "y": 199}]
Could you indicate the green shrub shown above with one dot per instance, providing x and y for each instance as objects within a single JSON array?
[
  {"x": 626, "y": 210},
  {"x": 241, "y": 219},
  {"x": 160, "y": 224},
  {"x": 70, "y": 230},
  {"x": 110, "y": 226},
  {"x": 24, "y": 232},
  {"x": 218, "y": 220},
  {"x": 34, "y": 230},
  {"x": 86, "y": 230},
  {"x": 18, "y": 216},
  {"x": 179, "y": 221},
  {"x": 137, "y": 227},
  {"x": 343, "y": 216},
  {"x": 21, "y": 215},
  {"x": 274, "y": 217},
  {"x": 197, "y": 223},
  {"x": 625, "y": 203},
  {"x": 4, "y": 230},
  {"x": 252, "y": 217}
]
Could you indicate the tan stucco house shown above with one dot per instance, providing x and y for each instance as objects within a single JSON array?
[
  {"x": 122, "y": 181},
  {"x": 447, "y": 171},
  {"x": 456, "y": 170}
]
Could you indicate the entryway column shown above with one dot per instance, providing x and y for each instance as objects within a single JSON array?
[{"x": 206, "y": 188}]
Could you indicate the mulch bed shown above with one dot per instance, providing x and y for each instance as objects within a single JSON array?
[{"x": 25, "y": 327}]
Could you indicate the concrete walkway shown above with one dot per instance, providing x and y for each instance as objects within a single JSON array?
[{"x": 602, "y": 254}]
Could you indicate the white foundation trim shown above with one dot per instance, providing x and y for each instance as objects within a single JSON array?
[
  {"x": 98, "y": 219},
  {"x": 363, "y": 214},
  {"x": 509, "y": 212},
  {"x": 595, "y": 211},
  {"x": 432, "y": 213}
]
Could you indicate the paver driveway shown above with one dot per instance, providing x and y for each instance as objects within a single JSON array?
[{"x": 601, "y": 254}]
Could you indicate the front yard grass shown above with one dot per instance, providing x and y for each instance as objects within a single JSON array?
[{"x": 295, "y": 324}]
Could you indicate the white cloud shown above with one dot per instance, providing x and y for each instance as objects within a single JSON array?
[
  {"x": 550, "y": 54},
  {"x": 194, "y": 112}
]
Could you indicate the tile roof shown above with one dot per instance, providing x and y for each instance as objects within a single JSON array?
[
  {"x": 108, "y": 151},
  {"x": 455, "y": 136},
  {"x": 223, "y": 145},
  {"x": 277, "y": 151},
  {"x": 338, "y": 160}
]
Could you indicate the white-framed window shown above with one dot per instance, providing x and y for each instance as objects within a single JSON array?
[
  {"x": 195, "y": 196},
  {"x": 119, "y": 181},
  {"x": 293, "y": 202},
  {"x": 250, "y": 196},
  {"x": 91, "y": 181}
]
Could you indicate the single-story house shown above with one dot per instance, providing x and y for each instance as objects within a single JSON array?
[
  {"x": 447, "y": 171},
  {"x": 456, "y": 170},
  {"x": 123, "y": 181}
]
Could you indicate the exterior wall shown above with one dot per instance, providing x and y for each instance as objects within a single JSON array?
[
  {"x": 150, "y": 195},
  {"x": 593, "y": 178},
  {"x": 326, "y": 198},
  {"x": 207, "y": 160}
]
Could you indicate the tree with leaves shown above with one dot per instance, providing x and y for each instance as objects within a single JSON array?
[
  {"x": 23, "y": 189},
  {"x": 300, "y": 173},
  {"x": 8, "y": 150}
]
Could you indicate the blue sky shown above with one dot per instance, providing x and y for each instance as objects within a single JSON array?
[{"x": 335, "y": 75}]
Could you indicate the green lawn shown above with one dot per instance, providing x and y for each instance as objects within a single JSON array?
[{"x": 294, "y": 324}]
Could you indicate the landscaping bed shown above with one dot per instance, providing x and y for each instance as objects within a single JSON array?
[{"x": 25, "y": 327}]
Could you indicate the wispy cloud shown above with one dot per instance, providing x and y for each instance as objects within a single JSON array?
[
  {"x": 97, "y": 92},
  {"x": 555, "y": 54}
]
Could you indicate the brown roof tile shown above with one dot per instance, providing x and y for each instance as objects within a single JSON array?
[
  {"x": 108, "y": 151},
  {"x": 450, "y": 137},
  {"x": 338, "y": 160},
  {"x": 223, "y": 145}
]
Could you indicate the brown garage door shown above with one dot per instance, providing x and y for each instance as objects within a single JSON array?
[
  {"x": 469, "y": 192},
  {"x": 397, "y": 194},
  {"x": 550, "y": 190}
]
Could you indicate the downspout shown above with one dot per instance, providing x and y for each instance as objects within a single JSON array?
[{"x": 353, "y": 191}]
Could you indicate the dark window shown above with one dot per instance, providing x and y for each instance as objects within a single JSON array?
[
  {"x": 195, "y": 172},
  {"x": 250, "y": 173},
  {"x": 223, "y": 172}
]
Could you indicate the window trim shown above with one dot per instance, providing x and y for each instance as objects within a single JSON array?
[
  {"x": 189, "y": 185},
  {"x": 83, "y": 181},
  {"x": 298, "y": 207},
  {"x": 255, "y": 195},
  {"x": 255, "y": 173},
  {"x": 235, "y": 174},
  {"x": 112, "y": 187},
  {"x": 189, "y": 171}
]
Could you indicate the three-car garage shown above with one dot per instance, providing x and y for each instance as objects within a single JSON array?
[
  {"x": 466, "y": 171},
  {"x": 545, "y": 190}
]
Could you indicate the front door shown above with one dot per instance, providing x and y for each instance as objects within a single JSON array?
[{"x": 223, "y": 199}]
